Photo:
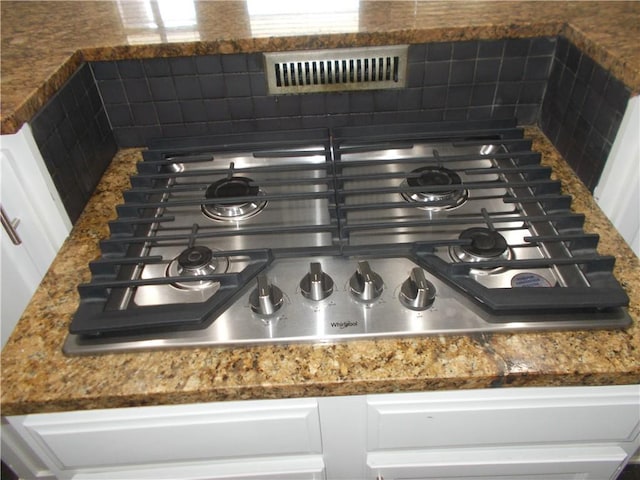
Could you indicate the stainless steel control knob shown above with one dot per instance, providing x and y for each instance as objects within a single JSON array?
[
  {"x": 266, "y": 299},
  {"x": 365, "y": 284},
  {"x": 417, "y": 293},
  {"x": 316, "y": 285}
]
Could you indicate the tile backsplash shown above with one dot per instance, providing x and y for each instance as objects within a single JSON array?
[
  {"x": 115, "y": 104},
  {"x": 582, "y": 111},
  {"x": 227, "y": 93},
  {"x": 74, "y": 136}
]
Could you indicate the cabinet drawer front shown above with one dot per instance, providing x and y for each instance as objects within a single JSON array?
[
  {"x": 171, "y": 434},
  {"x": 557, "y": 463},
  {"x": 502, "y": 417},
  {"x": 305, "y": 467}
]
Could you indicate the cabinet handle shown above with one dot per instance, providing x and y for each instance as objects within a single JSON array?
[{"x": 10, "y": 227}]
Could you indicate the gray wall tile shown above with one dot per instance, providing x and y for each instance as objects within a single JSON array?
[
  {"x": 494, "y": 48},
  {"x": 237, "y": 84},
  {"x": 74, "y": 136},
  {"x": 130, "y": 69},
  {"x": 156, "y": 67},
  {"x": 207, "y": 64},
  {"x": 234, "y": 63},
  {"x": 193, "y": 111},
  {"x": 465, "y": 50},
  {"x": 182, "y": 65},
  {"x": 162, "y": 88},
  {"x": 439, "y": 51},
  {"x": 169, "y": 112},
  {"x": 137, "y": 90},
  {"x": 187, "y": 87},
  {"x": 581, "y": 111}
]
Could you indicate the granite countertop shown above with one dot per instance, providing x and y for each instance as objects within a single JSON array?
[
  {"x": 37, "y": 377},
  {"x": 43, "y": 42}
]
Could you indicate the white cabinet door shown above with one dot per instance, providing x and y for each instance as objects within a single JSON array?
[
  {"x": 503, "y": 417},
  {"x": 220, "y": 436},
  {"x": 27, "y": 195},
  {"x": 617, "y": 192},
  {"x": 20, "y": 272},
  {"x": 558, "y": 463}
]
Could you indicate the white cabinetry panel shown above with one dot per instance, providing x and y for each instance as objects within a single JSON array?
[
  {"x": 19, "y": 456},
  {"x": 28, "y": 195},
  {"x": 307, "y": 467},
  {"x": 344, "y": 426},
  {"x": 521, "y": 433},
  {"x": 618, "y": 192},
  {"x": 108, "y": 438},
  {"x": 560, "y": 463},
  {"x": 507, "y": 417}
]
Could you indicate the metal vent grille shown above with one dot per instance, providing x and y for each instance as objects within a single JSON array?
[{"x": 365, "y": 68}]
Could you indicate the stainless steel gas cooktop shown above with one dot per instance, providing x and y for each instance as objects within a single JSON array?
[{"x": 331, "y": 235}]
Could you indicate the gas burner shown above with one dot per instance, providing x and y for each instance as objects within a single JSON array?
[
  {"x": 435, "y": 199},
  {"x": 486, "y": 244},
  {"x": 233, "y": 210},
  {"x": 196, "y": 261}
]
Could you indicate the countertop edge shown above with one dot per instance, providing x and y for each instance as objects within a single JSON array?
[{"x": 323, "y": 389}]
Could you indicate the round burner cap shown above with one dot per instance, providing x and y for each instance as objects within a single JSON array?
[
  {"x": 196, "y": 261},
  {"x": 195, "y": 257},
  {"x": 485, "y": 243},
  {"x": 233, "y": 210},
  {"x": 436, "y": 198},
  {"x": 434, "y": 177},
  {"x": 231, "y": 187}
]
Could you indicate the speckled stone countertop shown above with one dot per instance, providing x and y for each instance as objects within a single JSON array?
[
  {"x": 37, "y": 377},
  {"x": 43, "y": 42}
]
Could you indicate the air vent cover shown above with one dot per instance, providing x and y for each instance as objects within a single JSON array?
[{"x": 365, "y": 68}]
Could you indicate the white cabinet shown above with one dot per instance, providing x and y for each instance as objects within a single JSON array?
[
  {"x": 617, "y": 192},
  {"x": 299, "y": 467},
  {"x": 524, "y": 433},
  {"x": 502, "y": 417},
  {"x": 28, "y": 195},
  {"x": 550, "y": 433},
  {"x": 221, "y": 440},
  {"x": 506, "y": 463}
]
